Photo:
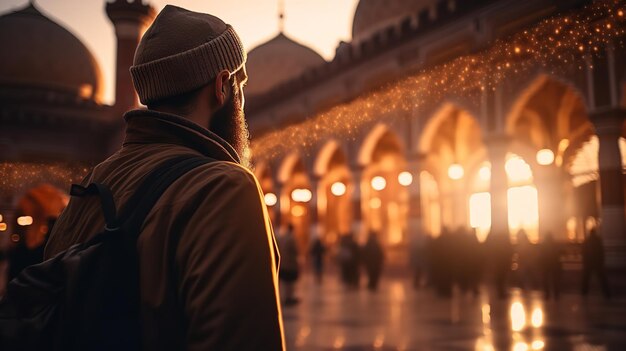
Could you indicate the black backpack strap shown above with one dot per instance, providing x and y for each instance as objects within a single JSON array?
[
  {"x": 106, "y": 200},
  {"x": 148, "y": 193}
]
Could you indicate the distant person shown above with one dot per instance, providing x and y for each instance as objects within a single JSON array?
[
  {"x": 501, "y": 253},
  {"x": 443, "y": 265},
  {"x": 420, "y": 248},
  {"x": 289, "y": 267},
  {"x": 373, "y": 257},
  {"x": 525, "y": 260},
  {"x": 593, "y": 263},
  {"x": 29, "y": 250},
  {"x": 349, "y": 260},
  {"x": 473, "y": 261},
  {"x": 208, "y": 265},
  {"x": 318, "y": 251},
  {"x": 551, "y": 266}
]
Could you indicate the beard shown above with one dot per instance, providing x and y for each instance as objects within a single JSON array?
[{"x": 229, "y": 123}]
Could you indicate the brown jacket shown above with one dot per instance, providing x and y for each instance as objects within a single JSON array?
[{"x": 221, "y": 292}]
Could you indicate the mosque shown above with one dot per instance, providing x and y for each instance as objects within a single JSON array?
[{"x": 438, "y": 114}]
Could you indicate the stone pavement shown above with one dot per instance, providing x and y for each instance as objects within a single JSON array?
[{"x": 397, "y": 317}]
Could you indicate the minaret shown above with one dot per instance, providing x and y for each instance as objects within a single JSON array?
[{"x": 130, "y": 20}]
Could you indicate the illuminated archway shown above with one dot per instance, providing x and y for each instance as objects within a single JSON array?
[
  {"x": 384, "y": 199},
  {"x": 334, "y": 189},
  {"x": 549, "y": 122},
  {"x": 295, "y": 199},
  {"x": 453, "y": 144}
]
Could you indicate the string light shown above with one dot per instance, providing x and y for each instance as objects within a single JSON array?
[{"x": 554, "y": 45}]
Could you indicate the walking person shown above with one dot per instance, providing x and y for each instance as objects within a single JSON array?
[
  {"x": 593, "y": 264},
  {"x": 289, "y": 267},
  {"x": 318, "y": 252},
  {"x": 373, "y": 257},
  {"x": 206, "y": 253},
  {"x": 551, "y": 266}
]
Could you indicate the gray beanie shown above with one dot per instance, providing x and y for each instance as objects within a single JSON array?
[{"x": 182, "y": 51}]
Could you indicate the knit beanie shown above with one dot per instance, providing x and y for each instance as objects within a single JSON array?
[{"x": 182, "y": 51}]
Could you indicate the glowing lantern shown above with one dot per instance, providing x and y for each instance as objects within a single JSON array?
[
  {"x": 455, "y": 171},
  {"x": 301, "y": 195},
  {"x": 25, "y": 220},
  {"x": 405, "y": 178},
  {"x": 545, "y": 157},
  {"x": 297, "y": 211},
  {"x": 270, "y": 199},
  {"x": 517, "y": 169},
  {"x": 338, "y": 188},
  {"x": 3, "y": 227},
  {"x": 378, "y": 183},
  {"x": 0, "y": 218}
]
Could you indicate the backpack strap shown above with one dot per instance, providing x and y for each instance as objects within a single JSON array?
[
  {"x": 106, "y": 201},
  {"x": 155, "y": 184}
]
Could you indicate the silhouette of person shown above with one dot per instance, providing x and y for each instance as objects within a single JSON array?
[
  {"x": 373, "y": 258},
  {"x": 593, "y": 263},
  {"x": 501, "y": 253},
  {"x": 551, "y": 266},
  {"x": 289, "y": 268},
  {"x": 318, "y": 250}
]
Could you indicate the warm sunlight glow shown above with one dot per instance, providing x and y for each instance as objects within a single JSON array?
[
  {"x": 536, "y": 318},
  {"x": 338, "y": 188},
  {"x": 480, "y": 213},
  {"x": 270, "y": 199},
  {"x": 518, "y": 170},
  {"x": 518, "y": 316},
  {"x": 405, "y": 178},
  {"x": 455, "y": 171},
  {"x": 378, "y": 183},
  {"x": 524, "y": 210}
]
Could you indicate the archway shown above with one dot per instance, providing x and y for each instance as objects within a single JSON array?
[
  {"x": 453, "y": 144},
  {"x": 334, "y": 189},
  {"x": 384, "y": 197},
  {"x": 550, "y": 123},
  {"x": 295, "y": 197}
]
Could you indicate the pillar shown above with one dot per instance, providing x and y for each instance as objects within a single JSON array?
[
  {"x": 609, "y": 124},
  {"x": 550, "y": 197},
  {"x": 497, "y": 149},
  {"x": 129, "y": 19},
  {"x": 358, "y": 229},
  {"x": 414, "y": 220}
]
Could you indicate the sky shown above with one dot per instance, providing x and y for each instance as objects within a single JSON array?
[{"x": 319, "y": 24}]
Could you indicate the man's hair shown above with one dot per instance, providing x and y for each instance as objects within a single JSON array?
[{"x": 184, "y": 103}]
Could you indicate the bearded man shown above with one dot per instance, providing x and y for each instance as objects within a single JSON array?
[{"x": 207, "y": 255}]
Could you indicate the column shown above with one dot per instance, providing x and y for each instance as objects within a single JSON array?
[
  {"x": 609, "y": 124},
  {"x": 550, "y": 197},
  {"x": 358, "y": 228},
  {"x": 497, "y": 149},
  {"x": 414, "y": 220},
  {"x": 313, "y": 208}
]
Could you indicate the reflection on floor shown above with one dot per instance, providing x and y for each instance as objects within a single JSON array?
[{"x": 400, "y": 318}]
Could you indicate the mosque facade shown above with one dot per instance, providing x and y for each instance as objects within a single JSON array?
[{"x": 497, "y": 115}]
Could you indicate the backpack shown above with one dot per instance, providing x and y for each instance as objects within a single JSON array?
[{"x": 87, "y": 297}]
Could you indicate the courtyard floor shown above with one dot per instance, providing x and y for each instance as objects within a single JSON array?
[{"x": 397, "y": 317}]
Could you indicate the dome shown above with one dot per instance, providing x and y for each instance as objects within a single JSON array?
[
  {"x": 39, "y": 53},
  {"x": 278, "y": 61},
  {"x": 373, "y": 15}
]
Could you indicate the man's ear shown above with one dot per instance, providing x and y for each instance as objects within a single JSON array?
[{"x": 222, "y": 87}]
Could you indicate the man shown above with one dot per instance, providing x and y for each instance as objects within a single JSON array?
[{"x": 207, "y": 256}]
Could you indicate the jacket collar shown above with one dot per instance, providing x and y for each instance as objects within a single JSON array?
[{"x": 154, "y": 127}]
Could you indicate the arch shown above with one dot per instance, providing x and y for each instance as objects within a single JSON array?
[
  {"x": 371, "y": 141},
  {"x": 287, "y": 166},
  {"x": 324, "y": 156},
  {"x": 535, "y": 118}
]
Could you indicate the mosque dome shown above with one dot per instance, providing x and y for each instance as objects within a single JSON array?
[
  {"x": 373, "y": 15},
  {"x": 39, "y": 53},
  {"x": 278, "y": 61}
]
